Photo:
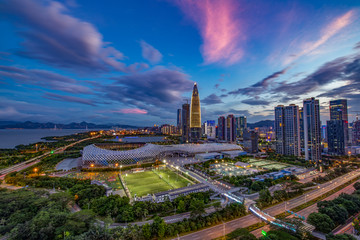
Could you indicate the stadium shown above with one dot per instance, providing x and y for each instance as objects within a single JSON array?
[{"x": 100, "y": 154}]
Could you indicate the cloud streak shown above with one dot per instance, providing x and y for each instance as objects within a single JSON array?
[
  {"x": 260, "y": 86},
  {"x": 55, "y": 37},
  {"x": 219, "y": 27},
  {"x": 156, "y": 91},
  {"x": 62, "y": 98},
  {"x": 326, "y": 33},
  {"x": 211, "y": 99},
  {"x": 150, "y": 53},
  {"x": 43, "y": 78},
  {"x": 131, "y": 111}
]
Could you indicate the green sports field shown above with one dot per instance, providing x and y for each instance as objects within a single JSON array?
[
  {"x": 172, "y": 178},
  {"x": 110, "y": 178},
  {"x": 149, "y": 182}
]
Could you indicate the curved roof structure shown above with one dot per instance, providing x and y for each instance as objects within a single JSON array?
[{"x": 149, "y": 152}]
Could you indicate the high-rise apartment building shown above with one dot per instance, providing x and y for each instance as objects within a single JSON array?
[
  {"x": 302, "y": 136},
  {"x": 287, "y": 130},
  {"x": 210, "y": 129},
  {"x": 168, "y": 129},
  {"x": 185, "y": 122},
  {"x": 279, "y": 129},
  {"x": 337, "y": 127},
  {"x": 195, "y": 115},
  {"x": 292, "y": 130},
  {"x": 221, "y": 128},
  {"x": 178, "y": 121},
  {"x": 312, "y": 135},
  {"x": 240, "y": 125},
  {"x": 230, "y": 130},
  {"x": 356, "y": 132}
]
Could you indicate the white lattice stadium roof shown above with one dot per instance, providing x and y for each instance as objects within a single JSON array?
[{"x": 147, "y": 153}]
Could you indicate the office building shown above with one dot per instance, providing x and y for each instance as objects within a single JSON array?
[
  {"x": 337, "y": 127},
  {"x": 356, "y": 132},
  {"x": 240, "y": 125},
  {"x": 250, "y": 141},
  {"x": 185, "y": 122},
  {"x": 336, "y": 137},
  {"x": 302, "y": 136},
  {"x": 221, "y": 128},
  {"x": 312, "y": 135},
  {"x": 178, "y": 121},
  {"x": 230, "y": 130},
  {"x": 287, "y": 130},
  {"x": 195, "y": 116},
  {"x": 279, "y": 129}
]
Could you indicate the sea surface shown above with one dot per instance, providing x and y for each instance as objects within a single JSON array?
[{"x": 9, "y": 138}]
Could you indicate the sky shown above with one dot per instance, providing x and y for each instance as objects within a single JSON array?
[{"x": 135, "y": 62}]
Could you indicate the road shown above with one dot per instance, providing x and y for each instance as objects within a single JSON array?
[
  {"x": 168, "y": 219},
  {"x": 35, "y": 160},
  {"x": 217, "y": 231},
  {"x": 313, "y": 208}
]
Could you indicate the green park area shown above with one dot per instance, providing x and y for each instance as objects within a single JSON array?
[
  {"x": 266, "y": 164},
  {"x": 174, "y": 179},
  {"x": 150, "y": 182},
  {"x": 109, "y": 178}
]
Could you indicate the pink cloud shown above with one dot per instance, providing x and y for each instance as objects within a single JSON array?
[
  {"x": 326, "y": 33},
  {"x": 220, "y": 29},
  {"x": 131, "y": 111}
]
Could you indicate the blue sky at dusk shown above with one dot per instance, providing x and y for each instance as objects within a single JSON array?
[{"x": 135, "y": 62}]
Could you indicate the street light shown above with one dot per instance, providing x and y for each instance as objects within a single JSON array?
[
  {"x": 35, "y": 170},
  {"x": 285, "y": 205},
  {"x": 92, "y": 165},
  {"x": 120, "y": 169},
  {"x": 306, "y": 195},
  {"x": 177, "y": 168}
]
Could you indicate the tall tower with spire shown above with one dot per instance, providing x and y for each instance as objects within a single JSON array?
[{"x": 195, "y": 115}]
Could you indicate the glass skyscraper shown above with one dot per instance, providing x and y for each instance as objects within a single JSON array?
[
  {"x": 337, "y": 127},
  {"x": 312, "y": 133}
]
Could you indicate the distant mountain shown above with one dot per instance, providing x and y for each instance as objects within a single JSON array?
[
  {"x": 7, "y": 122},
  {"x": 50, "y": 125},
  {"x": 263, "y": 123}
]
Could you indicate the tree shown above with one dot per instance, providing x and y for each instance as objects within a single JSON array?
[
  {"x": 241, "y": 233},
  {"x": 280, "y": 195},
  {"x": 146, "y": 230},
  {"x": 217, "y": 206},
  {"x": 357, "y": 185},
  {"x": 181, "y": 206},
  {"x": 339, "y": 237},
  {"x": 265, "y": 197},
  {"x": 158, "y": 227},
  {"x": 257, "y": 186},
  {"x": 321, "y": 222},
  {"x": 197, "y": 208}
]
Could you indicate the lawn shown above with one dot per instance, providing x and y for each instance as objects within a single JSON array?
[
  {"x": 172, "y": 178},
  {"x": 143, "y": 183},
  {"x": 276, "y": 166},
  {"x": 110, "y": 178}
]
